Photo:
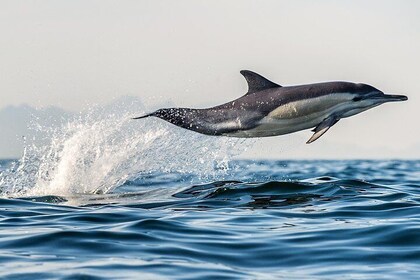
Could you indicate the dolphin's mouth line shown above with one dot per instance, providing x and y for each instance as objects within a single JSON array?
[
  {"x": 389, "y": 98},
  {"x": 397, "y": 97}
]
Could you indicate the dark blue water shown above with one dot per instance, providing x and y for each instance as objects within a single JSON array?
[{"x": 265, "y": 219}]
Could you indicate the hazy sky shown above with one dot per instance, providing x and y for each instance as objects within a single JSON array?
[{"x": 73, "y": 53}]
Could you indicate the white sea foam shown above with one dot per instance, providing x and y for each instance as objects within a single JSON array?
[{"x": 100, "y": 149}]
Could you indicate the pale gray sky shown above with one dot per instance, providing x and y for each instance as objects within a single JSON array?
[{"x": 73, "y": 53}]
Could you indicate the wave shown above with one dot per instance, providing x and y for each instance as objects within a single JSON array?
[{"x": 103, "y": 148}]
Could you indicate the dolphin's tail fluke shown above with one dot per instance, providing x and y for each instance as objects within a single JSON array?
[{"x": 144, "y": 116}]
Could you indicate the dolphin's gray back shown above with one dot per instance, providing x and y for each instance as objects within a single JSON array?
[
  {"x": 269, "y": 99},
  {"x": 245, "y": 112}
]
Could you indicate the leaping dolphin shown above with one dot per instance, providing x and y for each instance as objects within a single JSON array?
[{"x": 269, "y": 109}]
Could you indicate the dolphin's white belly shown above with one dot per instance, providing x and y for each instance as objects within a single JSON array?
[{"x": 296, "y": 116}]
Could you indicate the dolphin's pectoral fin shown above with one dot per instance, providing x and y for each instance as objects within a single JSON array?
[
  {"x": 257, "y": 82},
  {"x": 323, "y": 127}
]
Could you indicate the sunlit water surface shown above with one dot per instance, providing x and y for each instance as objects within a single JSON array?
[
  {"x": 109, "y": 198},
  {"x": 268, "y": 219}
]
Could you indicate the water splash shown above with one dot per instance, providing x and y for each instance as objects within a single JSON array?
[{"x": 99, "y": 150}]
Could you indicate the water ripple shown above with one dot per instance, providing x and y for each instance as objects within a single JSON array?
[{"x": 342, "y": 221}]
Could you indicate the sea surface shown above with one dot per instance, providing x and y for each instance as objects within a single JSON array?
[
  {"x": 101, "y": 196},
  {"x": 355, "y": 219}
]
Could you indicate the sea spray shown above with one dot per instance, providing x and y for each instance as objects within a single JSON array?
[{"x": 102, "y": 148}]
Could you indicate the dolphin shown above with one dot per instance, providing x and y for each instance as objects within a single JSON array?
[{"x": 269, "y": 109}]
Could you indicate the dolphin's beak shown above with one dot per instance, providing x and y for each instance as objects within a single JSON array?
[
  {"x": 394, "y": 97},
  {"x": 388, "y": 98}
]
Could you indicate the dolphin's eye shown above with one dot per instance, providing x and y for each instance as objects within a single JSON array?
[{"x": 357, "y": 98}]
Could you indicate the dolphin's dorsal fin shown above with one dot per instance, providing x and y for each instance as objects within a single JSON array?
[{"x": 257, "y": 82}]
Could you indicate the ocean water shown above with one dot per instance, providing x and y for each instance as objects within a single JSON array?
[{"x": 108, "y": 198}]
